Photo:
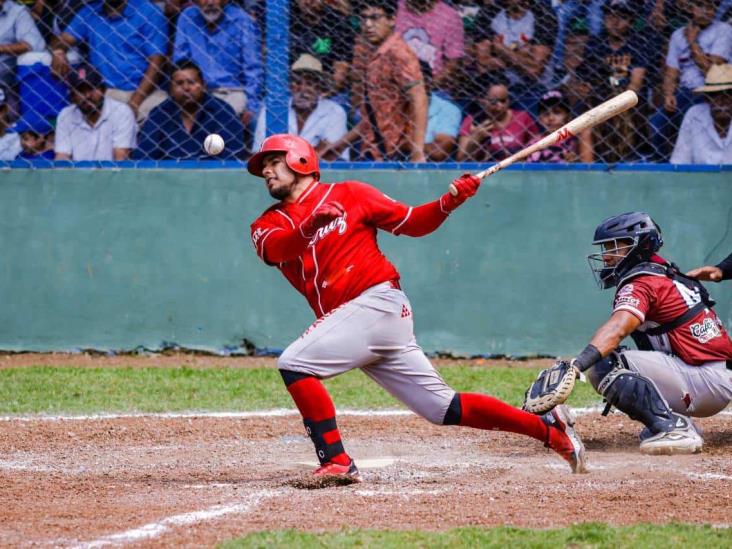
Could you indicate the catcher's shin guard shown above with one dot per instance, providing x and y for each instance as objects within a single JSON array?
[{"x": 639, "y": 398}]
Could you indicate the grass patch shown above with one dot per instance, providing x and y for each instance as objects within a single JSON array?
[
  {"x": 588, "y": 535},
  {"x": 96, "y": 390}
]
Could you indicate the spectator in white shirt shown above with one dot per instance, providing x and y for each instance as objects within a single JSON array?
[
  {"x": 310, "y": 116},
  {"x": 706, "y": 136},
  {"x": 94, "y": 127},
  {"x": 692, "y": 50},
  {"x": 10, "y": 146},
  {"x": 18, "y": 35}
]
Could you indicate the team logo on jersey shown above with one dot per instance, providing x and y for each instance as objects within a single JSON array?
[
  {"x": 338, "y": 224},
  {"x": 256, "y": 235},
  {"x": 706, "y": 330}
]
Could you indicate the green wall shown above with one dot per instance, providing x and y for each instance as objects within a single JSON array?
[{"x": 117, "y": 259}]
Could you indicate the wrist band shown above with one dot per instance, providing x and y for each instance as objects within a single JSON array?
[{"x": 587, "y": 358}]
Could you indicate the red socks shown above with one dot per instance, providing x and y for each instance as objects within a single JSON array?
[
  {"x": 486, "y": 412},
  {"x": 318, "y": 413}
]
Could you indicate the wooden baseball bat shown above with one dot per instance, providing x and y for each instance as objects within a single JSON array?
[{"x": 593, "y": 117}]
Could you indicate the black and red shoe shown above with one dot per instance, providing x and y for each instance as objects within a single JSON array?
[
  {"x": 564, "y": 440},
  {"x": 336, "y": 470}
]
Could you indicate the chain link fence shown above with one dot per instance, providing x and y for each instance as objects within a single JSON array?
[{"x": 371, "y": 80}]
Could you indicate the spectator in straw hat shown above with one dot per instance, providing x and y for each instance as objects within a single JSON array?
[
  {"x": 705, "y": 136},
  {"x": 318, "y": 120}
]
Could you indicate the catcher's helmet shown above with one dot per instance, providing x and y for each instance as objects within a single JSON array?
[
  {"x": 636, "y": 227},
  {"x": 300, "y": 155}
]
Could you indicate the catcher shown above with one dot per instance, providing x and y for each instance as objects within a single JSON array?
[{"x": 682, "y": 366}]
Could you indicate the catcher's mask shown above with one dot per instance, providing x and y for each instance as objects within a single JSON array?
[{"x": 635, "y": 237}]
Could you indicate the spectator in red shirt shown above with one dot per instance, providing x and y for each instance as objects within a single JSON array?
[{"x": 496, "y": 131}]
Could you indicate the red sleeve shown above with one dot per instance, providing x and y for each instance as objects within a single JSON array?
[
  {"x": 275, "y": 243},
  {"x": 397, "y": 218},
  {"x": 636, "y": 297}
]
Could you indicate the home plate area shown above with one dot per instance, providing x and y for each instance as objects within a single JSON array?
[{"x": 161, "y": 481}]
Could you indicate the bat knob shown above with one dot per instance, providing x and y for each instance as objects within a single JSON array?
[{"x": 453, "y": 190}]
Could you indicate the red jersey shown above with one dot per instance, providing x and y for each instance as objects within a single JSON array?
[
  {"x": 656, "y": 300},
  {"x": 342, "y": 259}
]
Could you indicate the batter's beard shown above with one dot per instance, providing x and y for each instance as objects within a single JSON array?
[{"x": 279, "y": 193}]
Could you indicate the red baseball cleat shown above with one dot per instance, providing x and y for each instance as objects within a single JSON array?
[
  {"x": 563, "y": 439},
  {"x": 336, "y": 470}
]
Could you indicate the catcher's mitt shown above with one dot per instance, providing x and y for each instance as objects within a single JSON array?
[{"x": 551, "y": 388}]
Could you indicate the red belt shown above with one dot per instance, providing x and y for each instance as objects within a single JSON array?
[{"x": 395, "y": 284}]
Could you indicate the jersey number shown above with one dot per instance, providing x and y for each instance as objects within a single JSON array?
[{"x": 690, "y": 297}]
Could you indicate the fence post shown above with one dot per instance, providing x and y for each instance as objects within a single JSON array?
[{"x": 277, "y": 31}]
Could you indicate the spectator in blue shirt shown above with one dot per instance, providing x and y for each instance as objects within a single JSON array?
[
  {"x": 443, "y": 122},
  {"x": 127, "y": 42},
  {"x": 177, "y": 128},
  {"x": 225, "y": 42}
]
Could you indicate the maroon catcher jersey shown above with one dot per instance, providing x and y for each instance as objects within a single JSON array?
[
  {"x": 342, "y": 259},
  {"x": 658, "y": 300}
]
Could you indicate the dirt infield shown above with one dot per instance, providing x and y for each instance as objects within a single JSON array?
[{"x": 161, "y": 481}]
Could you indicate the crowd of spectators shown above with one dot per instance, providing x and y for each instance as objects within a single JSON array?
[{"x": 377, "y": 80}]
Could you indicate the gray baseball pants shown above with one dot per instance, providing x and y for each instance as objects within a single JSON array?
[
  {"x": 698, "y": 391},
  {"x": 373, "y": 332}
]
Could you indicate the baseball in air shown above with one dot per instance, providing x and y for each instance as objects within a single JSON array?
[{"x": 213, "y": 144}]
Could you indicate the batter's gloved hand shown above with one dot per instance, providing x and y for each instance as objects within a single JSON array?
[
  {"x": 461, "y": 189},
  {"x": 321, "y": 216},
  {"x": 551, "y": 388}
]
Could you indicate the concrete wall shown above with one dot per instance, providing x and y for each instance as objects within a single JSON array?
[{"x": 117, "y": 259}]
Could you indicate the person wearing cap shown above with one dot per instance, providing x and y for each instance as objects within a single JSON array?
[
  {"x": 93, "y": 127},
  {"x": 554, "y": 112},
  {"x": 224, "y": 41},
  {"x": 705, "y": 136},
  {"x": 35, "y": 137},
  {"x": 18, "y": 35},
  {"x": 177, "y": 128},
  {"x": 692, "y": 51},
  {"x": 310, "y": 116},
  {"x": 10, "y": 146},
  {"x": 127, "y": 41}
]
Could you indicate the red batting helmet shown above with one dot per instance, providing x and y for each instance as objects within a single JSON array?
[{"x": 301, "y": 157}]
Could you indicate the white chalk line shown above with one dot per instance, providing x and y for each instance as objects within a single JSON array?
[
  {"x": 156, "y": 529},
  {"x": 277, "y": 412}
]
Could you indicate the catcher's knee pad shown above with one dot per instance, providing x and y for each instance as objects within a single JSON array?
[
  {"x": 637, "y": 397},
  {"x": 602, "y": 368}
]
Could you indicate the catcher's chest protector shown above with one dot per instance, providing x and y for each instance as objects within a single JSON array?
[{"x": 671, "y": 271}]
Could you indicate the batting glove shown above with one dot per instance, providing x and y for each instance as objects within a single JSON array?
[
  {"x": 321, "y": 216},
  {"x": 466, "y": 186}
]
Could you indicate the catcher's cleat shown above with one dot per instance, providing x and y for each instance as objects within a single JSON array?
[
  {"x": 335, "y": 470},
  {"x": 682, "y": 439},
  {"x": 565, "y": 440}
]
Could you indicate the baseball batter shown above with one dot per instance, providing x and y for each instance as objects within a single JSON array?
[
  {"x": 322, "y": 237},
  {"x": 683, "y": 364}
]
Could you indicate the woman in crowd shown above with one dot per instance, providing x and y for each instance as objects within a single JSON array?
[{"x": 554, "y": 113}]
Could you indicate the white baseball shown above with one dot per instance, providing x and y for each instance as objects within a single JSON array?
[{"x": 213, "y": 144}]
